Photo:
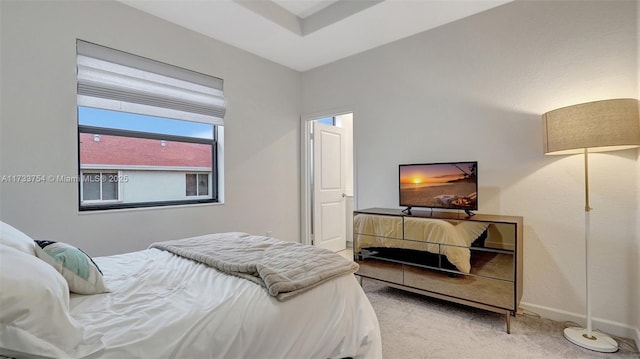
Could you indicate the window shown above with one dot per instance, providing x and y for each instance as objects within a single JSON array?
[
  {"x": 149, "y": 133},
  {"x": 329, "y": 121},
  {"x": 197, "y": 184},
  {"x": 100, "y": 186}
]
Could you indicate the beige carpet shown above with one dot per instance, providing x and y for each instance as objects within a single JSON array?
[{"x": 415, "y": 326}]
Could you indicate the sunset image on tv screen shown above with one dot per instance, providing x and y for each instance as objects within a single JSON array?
[{"x": 439, "y": 185}]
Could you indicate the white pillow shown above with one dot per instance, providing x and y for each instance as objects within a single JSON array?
[
  {"x": 80, "y": 271},
  {"x": 35, "y": 316},
  {"x": 10, "y": 236}
]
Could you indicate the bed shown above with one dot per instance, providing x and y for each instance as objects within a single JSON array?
[{"x": 156, "y": 304}]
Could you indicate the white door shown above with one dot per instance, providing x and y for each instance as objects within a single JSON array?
[{"x": 329, "y": 224}]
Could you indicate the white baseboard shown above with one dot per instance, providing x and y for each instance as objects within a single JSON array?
[{"x": 603, "y": 325}]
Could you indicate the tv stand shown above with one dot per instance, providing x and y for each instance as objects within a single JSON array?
[
  {"x": 407, "y": 210},
  {"x": 469, "y": 213},
  {"x": 396, "y": 248}
]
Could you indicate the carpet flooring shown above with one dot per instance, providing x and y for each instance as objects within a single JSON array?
[{"x": 415, "y": 326}]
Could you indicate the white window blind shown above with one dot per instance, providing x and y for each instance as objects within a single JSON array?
[{"x": 119, "y": 81}]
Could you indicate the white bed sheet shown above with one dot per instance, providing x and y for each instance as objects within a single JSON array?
[{"x": 165, "y": 306}]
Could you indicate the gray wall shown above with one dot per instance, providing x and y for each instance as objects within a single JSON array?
[
  {"x": 38, "y": 128},
  {"x": 474, "y": 90}
]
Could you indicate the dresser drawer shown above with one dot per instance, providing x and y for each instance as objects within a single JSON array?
[
  {"x": 495, "y": 292},
  {"x": 383, "y": 270}
]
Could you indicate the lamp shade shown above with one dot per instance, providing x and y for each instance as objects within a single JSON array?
[{"x": 607, "y": 125}]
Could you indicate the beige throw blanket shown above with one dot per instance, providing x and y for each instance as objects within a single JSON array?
[{"x": 285, "y": 269}]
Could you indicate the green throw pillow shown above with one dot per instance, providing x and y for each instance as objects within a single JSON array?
[{"x": 79, "y": 270}]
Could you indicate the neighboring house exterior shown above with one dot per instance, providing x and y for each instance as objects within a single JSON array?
[{"x": 117, "y": 169}]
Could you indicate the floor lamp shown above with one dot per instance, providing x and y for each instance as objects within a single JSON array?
[{"x": 599, "y": 126}]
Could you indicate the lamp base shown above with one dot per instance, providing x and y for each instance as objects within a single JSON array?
[{"x": 599, "y": 342}]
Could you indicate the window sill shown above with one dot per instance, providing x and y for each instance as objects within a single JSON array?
[{"x": 150, "y": 208}]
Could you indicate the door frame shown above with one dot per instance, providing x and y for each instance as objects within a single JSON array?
[{"x": 305, "y": 165}]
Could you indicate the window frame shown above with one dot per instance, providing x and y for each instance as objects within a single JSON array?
[
  {"x": 98, "y": 205},
  {"x": 102, "y": 173},
  {"x": 197, "y": 187}
]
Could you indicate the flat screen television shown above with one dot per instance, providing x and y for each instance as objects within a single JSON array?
[{"x": 450, "y": 185}]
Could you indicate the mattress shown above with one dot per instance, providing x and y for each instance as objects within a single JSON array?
[{"x": 165, "y": 306}]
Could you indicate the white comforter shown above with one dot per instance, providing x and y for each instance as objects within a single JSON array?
[{"x": 165, "y": 306}]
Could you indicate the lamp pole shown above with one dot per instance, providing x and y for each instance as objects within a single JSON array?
[
  {"x": 587, "y": 232},
  {"x": 586, "y": 338}
]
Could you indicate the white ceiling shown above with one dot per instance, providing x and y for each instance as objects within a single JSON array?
[
  {"x": 303, "y": 34},
  {"x": 304, "y": 8}
]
